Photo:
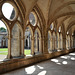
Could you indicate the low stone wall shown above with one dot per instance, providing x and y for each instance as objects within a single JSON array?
[{"x": 23, "y": 62}]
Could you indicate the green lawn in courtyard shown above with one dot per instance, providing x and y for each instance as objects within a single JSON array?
[
  {"x": 4, "y": 51},
  {"x": 27, "y": 52}
]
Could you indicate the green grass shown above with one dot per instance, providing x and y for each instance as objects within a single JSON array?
[
  {"x": 3, "y": 49},
  {"x": 26, "y": 52},
  {"x": 4, "y": 53}
]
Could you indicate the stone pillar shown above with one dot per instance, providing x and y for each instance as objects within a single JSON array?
[
  {"x": 61, "y": 42},
  {"x": 45, "y": 44},
  {"x": 2, "y": 43},
  {"x": 5, "y": 43},
  {"x": 9, "y": 46},
  {"x": 41, "y": 38},
  {"x": 16, "y": 41},
  {"x": 55, "y": 44},
  {"x": 71, "y": 41},
  {"x": 28, "y": 41},
  {"x": 51, "y": 41},
  {"x": 58, "y": 42},
  {"x": 22, "y": 46},
  {"x": 32, "y": 45},
  {"x": 36, "y": 40},
  {"x": 40, "y": 45},
  {"x": 66, "y": 41}
]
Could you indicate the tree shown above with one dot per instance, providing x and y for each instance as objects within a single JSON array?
[{"x": 2, "y": 29}]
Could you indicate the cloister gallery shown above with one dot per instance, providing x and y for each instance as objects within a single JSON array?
[{"x": 45, "y": 27}]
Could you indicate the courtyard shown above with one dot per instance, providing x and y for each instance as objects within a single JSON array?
[{"x": 4, "y": 53}]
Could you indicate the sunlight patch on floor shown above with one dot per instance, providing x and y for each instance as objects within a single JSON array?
[
  {"x": 64, "y": 57},
  {"x": 64, "y": 62},
  {"x": 42, "y": 73},
  {"x": 30, "y": 70},
  {"x": 54, "y": 60},
  {"x": 40, "y": 67}
]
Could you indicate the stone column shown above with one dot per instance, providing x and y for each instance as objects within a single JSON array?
[
  {"x": 71, "y": 41},
  {"x": 55, "y": 44},
  {"x": 5, "y": 43},
  {"x": 9, "y": 46},
  {"x": 51, "y": 44},
  {"x": 22, "y": 46},
  {"x": 36, "y": 40},
  {"x": 28, "y": 41},
  {"x": 58, "y": 42},
  {"x": 45, "y": 44},
  {"x": 32, "y": 45},
  {"x": 61, "y": 42},
  {"x": 2, "y": 43},
  {"x": 16, "y": 41},
  {"x": 40, "y": 45},
  {"x": 66, "y": 41}
]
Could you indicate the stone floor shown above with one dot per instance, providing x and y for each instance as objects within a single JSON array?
[
  {"x": 63, "y": 65},
  {"x": 2, "y": 57}
]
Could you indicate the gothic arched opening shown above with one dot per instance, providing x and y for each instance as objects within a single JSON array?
[
  {"x": 3, "y": 41},
  {"x": 27, "y": 41},
  {"x": 37, "y": 42}
]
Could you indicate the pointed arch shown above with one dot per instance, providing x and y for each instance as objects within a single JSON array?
[
  {"x": 39, "y": 15},
  {"x": 37, "y": 41},
  {"x": 30, "y": 28},
  {"x": 38, "y": 30},
  {"x": 6, "y": 24}
]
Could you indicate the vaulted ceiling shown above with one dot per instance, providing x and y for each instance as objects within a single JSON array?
[{"x": 61, "y": 11}]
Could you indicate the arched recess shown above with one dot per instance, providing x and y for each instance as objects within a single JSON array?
[
  {"x": 4, "y": 40},
  {"x": 37, "y": 41},
  {"x": 40, "y": 17},
  {"x": 28, "y": 46},
  {"x": 17, "y": 40}
]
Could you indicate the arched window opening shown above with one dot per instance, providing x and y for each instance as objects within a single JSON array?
[
  {"x": 27, "y": 42},
  {"x": 8, "y": 11},
  {"x": 32, "y": 19},
  {"x": 37, "y": 42},
  {"x": 52, "y": 26},
  {"x": 16, "y": 41},
  {"x": 59, "y": 29},
  {"x": 3, "y": 41}
]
